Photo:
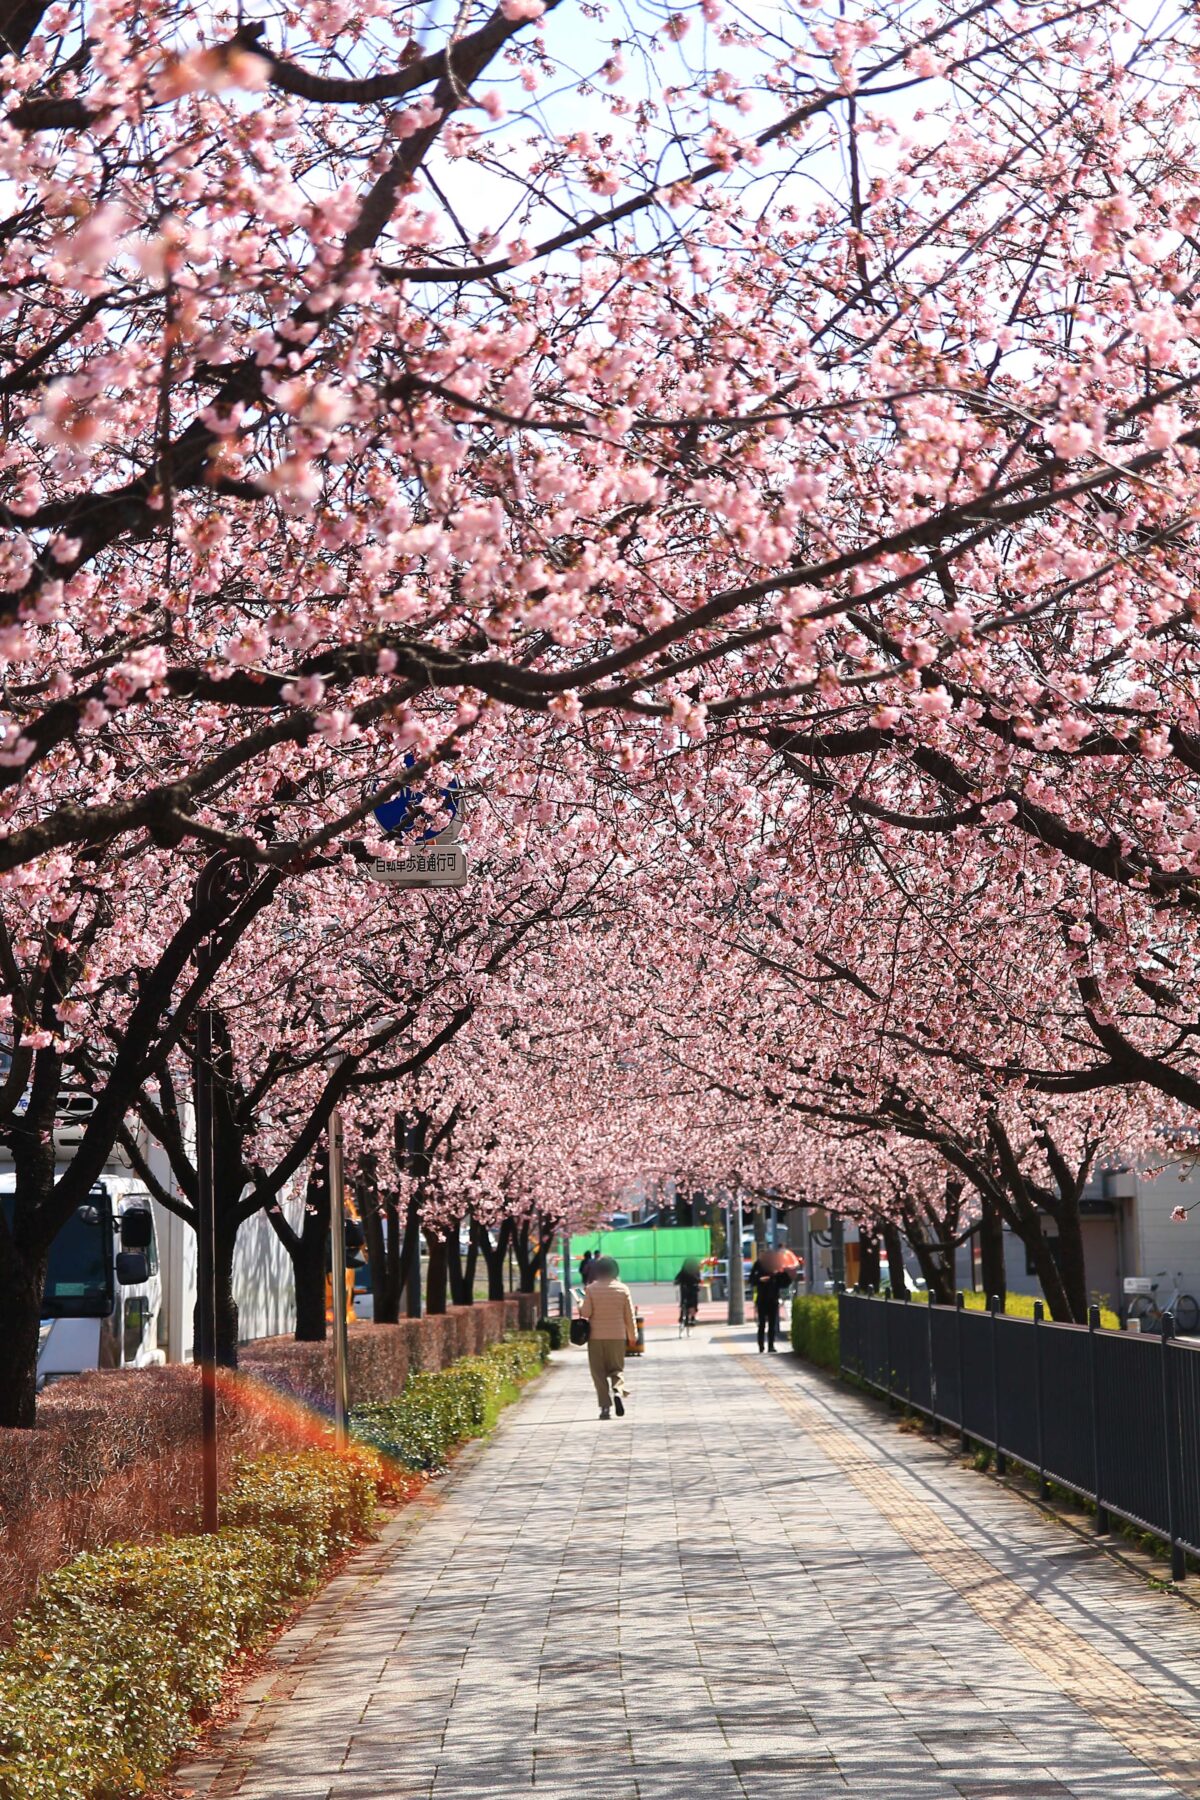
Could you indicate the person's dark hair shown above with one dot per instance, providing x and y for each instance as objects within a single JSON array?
[{"x": 608, "y": 1265}]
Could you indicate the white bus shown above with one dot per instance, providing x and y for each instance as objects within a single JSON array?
[{"x": 103, "y": 1298}]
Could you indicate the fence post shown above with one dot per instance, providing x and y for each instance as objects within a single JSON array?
[
  {"x": 959, "y": 1307},
  {"x": 933, "y": 1380},
  {"x": 1097, "y": 1458},
  {"x": 907, "y": 1353},
  {"x": 889, "y": 1352},
  {"x": 1039, "y": 1313},
  {"x": 1001, "y": 1459},
  {"x": 1171, "y": 1447}
]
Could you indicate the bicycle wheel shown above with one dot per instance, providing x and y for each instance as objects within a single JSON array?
[
  {"x": 1187, "y": 1314},
  {"x": 1140, "y": 1307}
]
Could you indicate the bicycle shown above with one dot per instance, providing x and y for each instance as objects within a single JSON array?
[
  {"x": 689, "y": 1313},
  {"x": 1149, "y": 1311}
]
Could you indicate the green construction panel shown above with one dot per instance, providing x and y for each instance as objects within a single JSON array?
[{"x": 645, "y": 1253}]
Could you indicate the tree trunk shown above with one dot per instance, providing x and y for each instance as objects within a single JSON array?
[
  {"x": 1071, "y": 1267},
  {"x": 310, "y": 1262},
  {"x": 227, "y": 1310},
  {"x": 1046, "y": 1269},
  {"x": 393, "y": 1264},
  {"x": 992, "y": 1271},
  {"x": 437, "y": 1277},
  {"x": 527, "y": 1260},
  {"x": 868, "y": 1258},
  {"x": 895, "y": 1256},
  {"x": 459, "y": 1292},
  {"x": 493, "y": 1256},
  {"x": 21, "y": 1286},
  {"x": 381, "y": 1223},
  {"x": 938, "y": 1279}
]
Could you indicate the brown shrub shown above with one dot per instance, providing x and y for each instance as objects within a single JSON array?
[{"x": 115, "y": 1456}]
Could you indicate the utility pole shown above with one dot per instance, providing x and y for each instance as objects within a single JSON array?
[
  {"x": 736, "y": 1314},
  {"x": 337, "y": 1261},
  {"x": 565, "y": 1281}
]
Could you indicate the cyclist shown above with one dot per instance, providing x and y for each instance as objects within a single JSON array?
[{"x": 688, "y": 1283}]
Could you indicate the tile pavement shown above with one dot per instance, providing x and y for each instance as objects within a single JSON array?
[{"x": 752, "y": 1586}]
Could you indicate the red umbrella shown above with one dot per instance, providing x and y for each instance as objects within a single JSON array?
[{"x": 780, "y": 1262}]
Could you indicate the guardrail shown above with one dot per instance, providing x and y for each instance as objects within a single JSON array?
[{"x": 1113, "y": 1416}]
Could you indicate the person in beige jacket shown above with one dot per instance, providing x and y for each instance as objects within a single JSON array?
[{"x": 608, "y": 1308}]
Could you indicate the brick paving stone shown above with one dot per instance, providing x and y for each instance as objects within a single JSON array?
[{"x": 752, "y": 1586}]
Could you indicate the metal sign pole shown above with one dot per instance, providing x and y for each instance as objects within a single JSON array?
[
  {"x": 544, "y": 1275},
  {"x": 736, "y": 1311},
  {"x": 220, "y": 883},
  {"x": 206, "y": 1269},
  {"x": 337, "y": 1231},
  {"x": 566, "y": 1275}
]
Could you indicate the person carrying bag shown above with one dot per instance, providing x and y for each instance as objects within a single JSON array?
[{"x": 607, "y": 1313}]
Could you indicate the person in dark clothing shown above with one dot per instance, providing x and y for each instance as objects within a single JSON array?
[
  {"x": 688, "y": 1283},
  {"x": 587, "y": 1264},
  {"x": 768, "y": 1284}
]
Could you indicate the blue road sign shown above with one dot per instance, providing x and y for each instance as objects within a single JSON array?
[{"x": 413, "y": 805}]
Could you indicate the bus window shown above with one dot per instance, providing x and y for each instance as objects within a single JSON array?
[
  {"x": 79, "y": 1277},
  {"x": 137, "y": 1312}
]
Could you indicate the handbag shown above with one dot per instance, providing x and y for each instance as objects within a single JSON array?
[{"x": 581, "y": 1330}]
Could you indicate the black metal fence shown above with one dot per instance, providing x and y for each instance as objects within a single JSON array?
[{"x": 1112, "y": 1415}]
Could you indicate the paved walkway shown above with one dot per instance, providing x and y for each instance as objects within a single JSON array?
[{"x": 755, "y": 1585}]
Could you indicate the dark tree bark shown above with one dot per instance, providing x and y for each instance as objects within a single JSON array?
[
  {"x": 868, "y": 1258},
  {"x": 931, "y": 1258},
  {"x": 493, "y": 1255},
  {"x": 893, "y": 1244},
  {"x": 460, "y": 1291},
  {"x": 310, "y": 1259},
  {"x": 991, "y": 1253},
  {"x": 380, "y": 1215},
  {"x": 436, "y": 1279},
  {"x": 529, "y": 1261},
  {"x": 22, "y": 1280}
]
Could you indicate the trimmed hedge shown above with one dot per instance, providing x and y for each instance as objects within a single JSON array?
[
  {"x": 815, "y": 1329},
  {"x": 557, "y": 1332},
  {"x": 126, "y": 1648},
  {"x": 440, "y": 1410}
]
